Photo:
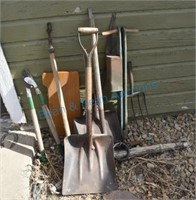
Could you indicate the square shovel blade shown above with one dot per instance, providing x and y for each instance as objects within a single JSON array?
[{"x": 88, "y": 170}]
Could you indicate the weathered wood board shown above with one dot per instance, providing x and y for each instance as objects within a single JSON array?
[
  {"x": 70, "y": 85},
  {"x": 162, "y": 52}
]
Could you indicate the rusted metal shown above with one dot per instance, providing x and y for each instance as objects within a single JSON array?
[
  {"x": 113, "y": 79},
  {"x": 135, "y": 94},
  {"x": 114, "y": 73},
  {"x": 88, "y": 164},
  {"x": 111, "y": 123}
]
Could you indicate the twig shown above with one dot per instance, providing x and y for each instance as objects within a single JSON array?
[
  {"x": 156, "y": 161},
  {"x": 53, "y": 167},
  {"x": 184, "y": 189}
]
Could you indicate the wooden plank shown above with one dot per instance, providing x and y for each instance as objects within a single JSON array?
[
  {"x": 8, "y": 92},
  {"x": 18, "y": 10},
  {"x": 172, "y": 102},
  {"x": 141, "y": 57},
  {"x": 143, "y": 73},
  {"x": 150, "y": 88},
  {"x": 28, "y": 30},
  {"x": 163, "y": 51},
  {"x": 165, "y": 71},
  {"x": 157, "y": 104},
  {"x": 162, "y": 103},
  {"x": 155, "y": 87},
  {"x": 37, "y": 67},
  {"x": 161, "y": 56},
  {"x": 170, "y": 56},
  {"x": 166, "y": 86},
  {"x": 16, "y": 52},
  {"x": 161, "y": 38},
  {"x": 144, "y": 76}
]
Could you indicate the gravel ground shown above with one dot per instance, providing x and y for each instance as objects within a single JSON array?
[{"x": 170, "y": 175}]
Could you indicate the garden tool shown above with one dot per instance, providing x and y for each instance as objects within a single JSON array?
[
  {"x": 30, "y": 82},
  {"x": 134, "y": 93},
  {"x": 116, "y": 75},
  {"x": 124, "y": 52},
  {"x": 99, "y": 94},
  {"x": 58, "y": 84},
  {"x": 103, "y": 122},
  {"x": 116, "y": 71},
  {"x": 113, "y": 125},
  {"x": 113, "y": 81},
  {"x": 126, "y": 67},
  {"x": 43, "y": 157},
  {"x": 88, "y": 163}
]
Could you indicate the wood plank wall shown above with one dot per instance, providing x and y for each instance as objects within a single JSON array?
[{"x": 163, "y": 52}]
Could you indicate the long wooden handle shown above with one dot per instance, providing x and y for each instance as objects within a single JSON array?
[
  {"x": 57, "y": 81},
  {"x": 97, "y": 76},
  {"x": 52, "y": 127},
  {"x": 88, "y": 84},
  {"x": 35, "y": 120},
  {"x": 60, "y": 94}
]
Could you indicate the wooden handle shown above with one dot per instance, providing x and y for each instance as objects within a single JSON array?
[
  {"x": 88, "y": 30},
  {"x": 97, "y": 76},
  {"x": 106, "y": 33},
  {"x": 60, "y": 94}
]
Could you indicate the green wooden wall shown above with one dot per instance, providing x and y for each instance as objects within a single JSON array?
[{"x": 163, "y": 52}]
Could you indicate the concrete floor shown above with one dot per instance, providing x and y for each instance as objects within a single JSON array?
[{"x": 16, "y": 156}]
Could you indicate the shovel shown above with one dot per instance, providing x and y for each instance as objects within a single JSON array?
[
  {"x": 107, "y": 122},
  {"x": 88, "y": 162}
]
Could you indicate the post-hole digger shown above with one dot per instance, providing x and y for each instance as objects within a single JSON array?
[
  {"x": 115, "y": 82},
  {"x": 31, "y": 84}
]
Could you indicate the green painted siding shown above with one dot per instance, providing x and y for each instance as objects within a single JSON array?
[{"x": 163, "y": 52}]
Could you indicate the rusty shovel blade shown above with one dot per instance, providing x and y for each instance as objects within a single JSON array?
[
  {"x": 111, "y": 122},
  {"x": 88, "y": 170}
]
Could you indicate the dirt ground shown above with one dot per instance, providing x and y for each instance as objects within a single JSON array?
[{"x": 164, "y": 176}]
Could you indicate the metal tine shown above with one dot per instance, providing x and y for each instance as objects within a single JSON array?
[
  {"x": 138, "y": 100},
  {"x": 136, "y": 94},
  {"x": 134, "y": 117}
]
